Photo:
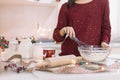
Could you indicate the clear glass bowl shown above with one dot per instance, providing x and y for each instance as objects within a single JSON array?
[{"x": 93, "y": 53}]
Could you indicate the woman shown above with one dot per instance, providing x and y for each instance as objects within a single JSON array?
[{"x": 88, "y": 20}]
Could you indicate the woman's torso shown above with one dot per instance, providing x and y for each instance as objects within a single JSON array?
[{"x": 86, "y": 19}]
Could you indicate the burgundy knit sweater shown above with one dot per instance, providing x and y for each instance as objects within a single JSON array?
[{"x": 90, "y": 22}]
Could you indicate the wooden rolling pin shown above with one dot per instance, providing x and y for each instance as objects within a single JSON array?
[{"x": 60, "y": 61}]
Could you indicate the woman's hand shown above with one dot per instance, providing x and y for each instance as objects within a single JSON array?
[
  {"x": 68, "y": 31},
  {"x": 105, "y": 45}
]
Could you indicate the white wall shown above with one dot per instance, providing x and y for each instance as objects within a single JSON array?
[
  {"x": 22, "y": 20},
  {"x": 115, "y": 19}
]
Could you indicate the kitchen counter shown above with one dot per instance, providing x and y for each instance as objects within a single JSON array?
[{"x": 41, "y": 75}]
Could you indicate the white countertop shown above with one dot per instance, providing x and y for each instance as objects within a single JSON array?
[
  {"x": 40, "y": 75},
  {"x": 94, "y": 76}
]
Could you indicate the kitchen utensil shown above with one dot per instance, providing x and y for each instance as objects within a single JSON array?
[
  {"x": 78, "y": 41},
  {"x": 93, "y": 53}
]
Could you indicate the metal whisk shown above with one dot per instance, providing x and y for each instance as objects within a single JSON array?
[{"x": 78, "y": 41}]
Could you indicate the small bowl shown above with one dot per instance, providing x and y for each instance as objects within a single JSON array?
[{"x": 93, "y": 53}]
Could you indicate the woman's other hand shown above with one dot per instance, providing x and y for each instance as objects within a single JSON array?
[
  {"x": 105, "y": 45},
  {"x": 68, "y": 31}
]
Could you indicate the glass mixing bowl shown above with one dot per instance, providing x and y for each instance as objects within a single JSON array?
[{"x": 93, "y": 53}]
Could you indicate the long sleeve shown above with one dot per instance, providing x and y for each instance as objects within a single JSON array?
[
  {"x": 106, "y": 27},
  {"x": 62, "y": 22},
  {"x": 90, "y": 22}
]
